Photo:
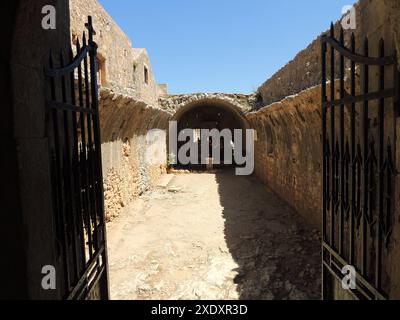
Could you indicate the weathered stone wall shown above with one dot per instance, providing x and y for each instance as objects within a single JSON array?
[
  {"x": 288, "y": 151},
  {"x": 146, "y": 89},
  {"x": 375, "y": 19},
  {"x": 121, "y": 66},
  {"x": 128, "y": 109},
  {"x": 173, "y": 103},
  {"x": 27, "y": 223},
  {"x": 114, "y": 46},
  {"x": 289, "y": 147},
  {"x": 127, "y": 148},
  {"x": 163, "y": 90},
  {"x": 393, "y": 8}
]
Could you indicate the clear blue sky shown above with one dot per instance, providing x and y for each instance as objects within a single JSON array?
[{"x": 221, "y": 45}]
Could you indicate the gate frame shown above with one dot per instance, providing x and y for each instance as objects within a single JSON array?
[
  {"x": 76, "y": 171},
  {"x": 334, "y": 190}
]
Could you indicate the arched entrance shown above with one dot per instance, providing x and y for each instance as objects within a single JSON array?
[{"x": 203, "y": 120}]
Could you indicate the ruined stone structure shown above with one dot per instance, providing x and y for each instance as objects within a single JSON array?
[
  {"x": 290, "y": 128},
  {"x": 120, "y": 66},
  {"x": 285, "y": 112},
  {"x": 125, "y": 124},
  {"x": 285, "y": 149},
  {"x": 375, "y": 20},
  {"x": 128, "y": 105},
  {"x": 131, "y": 103},
  {"x": 289, "y": 147},
  {"x": 174, "y": 103},
  {"x": 288, "y": 151}
]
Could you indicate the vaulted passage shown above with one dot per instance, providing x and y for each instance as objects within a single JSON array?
[
  {"x": 212, "y": 236},
  {"x": 92, "y": 188},
  {"x": 217, "y": 116}
]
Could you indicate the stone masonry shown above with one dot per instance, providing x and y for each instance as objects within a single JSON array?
[
  {"x": 289, "y": 146},
  {"x": 375, "y": 19},
  {"x": 127, "y": 173},
  {"x": 289, "y": 123},
  {"x": 173, "y": 103},
  {"x": 128, "y": 108},
  {"x": 120, "y": 65}
]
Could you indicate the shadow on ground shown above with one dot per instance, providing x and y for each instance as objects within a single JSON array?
[
  {"x": 277, "y": 252},
  {"x": 212, "y": 236}
]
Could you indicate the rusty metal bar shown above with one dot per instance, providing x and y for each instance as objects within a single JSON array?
[
  {"x": 324, "y": 154},
  {"x": 342, "y": 150},
  {"x": 58, "y": 177},
  {"x": 365, "y": 126},
  {"x": 353, "y": 153},
  {"x": 381, "y": 170},
  {"x": 333, "y": 142},
  {"x": 76, "y": 171}
]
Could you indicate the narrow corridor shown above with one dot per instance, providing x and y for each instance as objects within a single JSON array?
[{"x": 212, "y": 236}]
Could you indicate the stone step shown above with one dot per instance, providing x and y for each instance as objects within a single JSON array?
[{"x": 164, "y": 181}]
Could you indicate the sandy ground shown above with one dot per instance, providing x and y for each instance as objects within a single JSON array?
[{"x": 212, "y": 236}]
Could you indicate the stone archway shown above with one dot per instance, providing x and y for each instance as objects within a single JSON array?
[{"x": 212, "y": 113}]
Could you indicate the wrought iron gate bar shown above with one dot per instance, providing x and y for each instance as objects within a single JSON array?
[
  {"x": 358, "y": 184},
  {"x": 342, "y": 150},
  {"x": 333, "y": 138},
  {"x": 59, "y": 183},
  {"x": 75, "y": 151},
  {"x": 365, "y": 140},
  {"x": 385, "y": 93},
  {"x": 65, "y": 71},
  {"x": 66, "y": 106},
  {"x": 361, "y": 292},
  {"x": 381, "y": 160},
  {"x": 339, "y": 276},
  {"x": 83, "y": 281},
  {"x": 385, "y": 61},
  {"x": 325, "y": 145},
  {"x": 96, "y": 278},
  {"x": 353, "y": 153}
]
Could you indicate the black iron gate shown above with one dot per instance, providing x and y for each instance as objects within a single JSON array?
[
  {"x": 76, "y": 171},
  {"x": 359, "y": 165}
]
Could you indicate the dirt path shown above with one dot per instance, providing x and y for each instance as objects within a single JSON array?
[{"x": 213, "y": 236}]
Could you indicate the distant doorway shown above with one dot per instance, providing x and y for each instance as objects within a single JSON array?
[{"x": 210, "y": 116}]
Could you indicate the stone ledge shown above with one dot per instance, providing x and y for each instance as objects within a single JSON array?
[{"x": 173, "y": 103}]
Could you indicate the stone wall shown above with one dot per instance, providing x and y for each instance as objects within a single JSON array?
[
  {"x": 393, "y": 7},
  {"x": 120, "y": 65},
  {"x": 127, "y": 148},
  {"x": 289, "y": 147},
  {"x": 114, "y": 46},
  {"x": 173, "y": 103},
  {"x": 145, "y": 85},
  {"x": 163, "y": 90},
  {"x": 375, "y": 19},
  {"x": 128, "y": 109},
  {"x": 288, "y": 151},
  {"x": 27, "y": 223}
]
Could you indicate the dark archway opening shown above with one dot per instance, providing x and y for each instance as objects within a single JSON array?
[{"x": 212, "y": 152}]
